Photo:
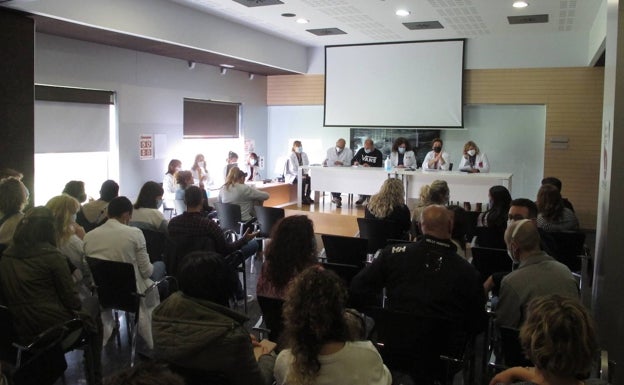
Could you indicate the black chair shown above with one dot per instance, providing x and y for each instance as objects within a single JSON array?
[
  {"x": 430, "y": 350},
  {"x": 569, "y": 248},
  {"x": 180, "y": 246},
  {"x": 266, "y": 218},
  {"x": 488, "y": 261},
  {"x": 117, "y": 290},
  {"x": 271, "y": 309},
  {"x": 156, "y": 243},
  {"x": 346, "y": 272},
  {"x": 194, "y": 376},
  {"x": 42, "y": 362},
  {"x": 510, "y": 348},
  {"x": 8, "y": 353},
  {"x": 345, "y": 250},
  {"x": 490, "y": 237},
  {"x": 471, "y": 224},
  {"x": 229, "y": 215},
  {"x": 378, "y": 231}
]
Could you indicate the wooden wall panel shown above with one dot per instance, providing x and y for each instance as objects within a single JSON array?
[{"x": 573, "y": 99}]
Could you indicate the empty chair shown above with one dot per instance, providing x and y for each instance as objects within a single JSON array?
[
  {"x": 490, "y": 237},
  {"x": 345, "y": 250},
  {"x": 488, "y": 261},
  {"x": 272, "y": 315},
  {"x": 267, "y": 217},
  {"x": 378, "y": 231},
  {"x": 430, "y": 350}
]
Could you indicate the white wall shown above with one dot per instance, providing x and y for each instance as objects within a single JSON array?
[
  {"x": 150, "y": 90},
  {"x": 512, "y": 136}
]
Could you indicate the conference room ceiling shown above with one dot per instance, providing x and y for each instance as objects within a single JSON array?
[{"x": 369, "y": 21}]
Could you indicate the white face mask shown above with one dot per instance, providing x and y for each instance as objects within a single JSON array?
[
  {"x": 401, "y": 150},
  {"x": 299, "y": 149},
  {"x": 201, "y": 164},
  {"x": 338, "y": 149},
  {"x": 368, "y": 151},
  {"x": 471, "y": 152},
  {"x": 252, "y": 162}
]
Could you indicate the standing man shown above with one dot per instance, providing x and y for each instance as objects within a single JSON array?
[
  {"x": 339, "y": 156},
  {"x": 368, "y": 156},
  {"x": 436, "y": 159}
]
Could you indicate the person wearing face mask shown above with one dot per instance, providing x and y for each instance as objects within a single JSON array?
[
  {"x": 201, "y": 177},
  {"x": 254, "y": 168},
  {"x": 402, "y": 155},
  {"x": 146, "y": 214},
  {"x": 297, "y": 159},
  {"x": 170, "y": 186},
  {"x": 436, "y": 159},
  {"x": 367, "y": 156},
  {"x": 538, "y": 274},
  {"x": 339, "y": 156},
  {"x": 473, "y": 160}
]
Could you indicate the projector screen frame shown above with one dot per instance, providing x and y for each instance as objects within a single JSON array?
[{"x": 462, "y": 96}]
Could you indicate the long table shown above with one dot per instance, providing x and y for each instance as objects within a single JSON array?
[{"x": 368, "y": 180}]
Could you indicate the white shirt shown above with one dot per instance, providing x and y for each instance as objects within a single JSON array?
[
  {"x": 409, "y": 159},
  {"x": 430, "y": 155},
  {"x": 356, "y": 363},
  {"x": 481, "y": 163},
  {"x": 170, "y": 186},
  {"x": 293, "y": 163},
  {"x": 243, "y": 195},
  {"x": 344, "y": 156},
  {"x": 149, "y": 219}
]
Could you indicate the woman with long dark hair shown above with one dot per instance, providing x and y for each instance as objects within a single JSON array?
[
  {"x": 146, "y": 214},
  {"x": 496, "y": 215},
  {"x": 552, "y": 214},
  {"x": 292, "y": 249},
  {"x": 319, "y": 348}
]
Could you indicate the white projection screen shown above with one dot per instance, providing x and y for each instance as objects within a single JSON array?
[{"x": 402, "y": 84}]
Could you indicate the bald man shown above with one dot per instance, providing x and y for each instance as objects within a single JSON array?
[
  {"x": 339, "y": 156},
  {"x": 538, "y": 274},
  {"x": 427, "y": 277}
]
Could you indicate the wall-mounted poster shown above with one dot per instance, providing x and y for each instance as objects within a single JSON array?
[{"x": 146, "y": 147}]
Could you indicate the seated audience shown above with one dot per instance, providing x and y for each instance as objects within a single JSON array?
[
  {"x": 116, "y": 241},
  {"x": 558, "y": 337},
  {"x": 557, "y": 183},
  {"x": 552, "y": 214},
  {"x": 458, "y": 234},
  {"x": 402, "y": 155},
  {"x": 292, "y": 249},
  {"x": 146, "y": 372},
  {"x": 237, "y": 192},
  {"x": 170, "y": 184},
  {"x": 146, "y": 214},
  {"x": 76, "y": 189},
  {"x": 93, "y": 213},
  {"x": 538, "y": 274},
  {"x": 496, "y": 215},
  {"x": 473, "y": 160},
  {"x": 194, "y": 224},
  {"x": 37, "y": 288},
  {"x": 69, "y": 237},
  {"x": 194, "y": 328},
  {"x": 13, "y": 198},
  {"x": 320, "y": 350},
  {"x": 389, "y": 204},
  {"x": 437, "y": 193},
  {"x": 426, "y": 277}
]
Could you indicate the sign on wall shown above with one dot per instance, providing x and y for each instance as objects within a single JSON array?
[{"x": 146, "y": 147}]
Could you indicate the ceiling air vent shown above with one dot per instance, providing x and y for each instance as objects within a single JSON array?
[
  {"x": 415, "y": 25},
  {"x": 258, "y": 3},
  {"x": 326, "y": 31},
  {"x": 528, "y": 19}
]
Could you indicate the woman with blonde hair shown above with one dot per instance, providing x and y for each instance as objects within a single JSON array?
[
  {"x": 69, "y": 236},
  {"x": 389, "y": 204},
  {"x": 473, "y": 160},
  {"x": 320, "y": 351},
  {"x": 558, "y": 336},
  {"x": 236, "y": 191}
]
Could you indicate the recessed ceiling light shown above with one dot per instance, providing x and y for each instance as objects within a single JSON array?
[
  {"x": 520, "y": 4},
  {"x": 226, "y": 65},
  {"x": 402, "y": 12},
  {"x": 303, "y": 21},
  {"x": 288, "y": 14}
]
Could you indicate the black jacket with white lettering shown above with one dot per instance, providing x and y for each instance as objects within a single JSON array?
[
  {"x": 373, "y": 159},
  {"x": 427, "y": 278}
]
